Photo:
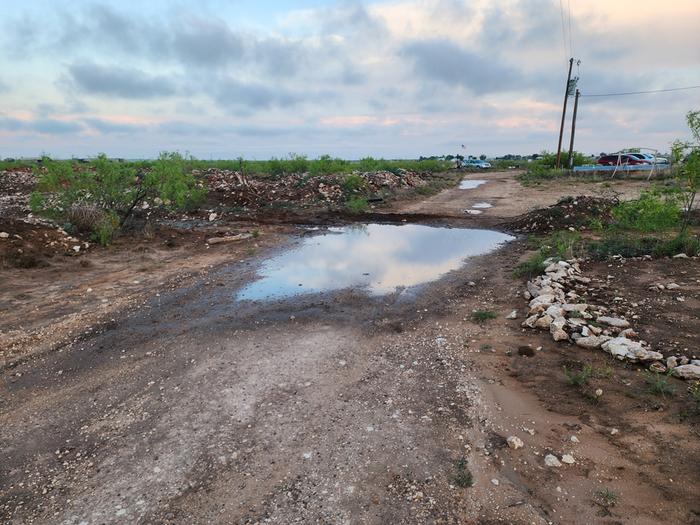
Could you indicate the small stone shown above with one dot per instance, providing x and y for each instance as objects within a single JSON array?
[
  {"x": 574, "y": 439},
  {"x": 672, "y": 286},
  {"x": 4, "y": 235},
  {"x": 76, "y": 248},
  {"x": 212, "y": 217},
  {"x": 495, "y": 482},
  {"x": 614, "y": 431},
  {"x": 671, "y": 362},
  {"x": 680, "y": 256},
  {"x": 514, "y": 442},
  {"x": 599, "y": 392},
  {"x": 657, "y": 367},
  {"x": 568, "y": 459},
  {"x": 613, "y": 321},
  {"x": 512, "y": 315},
  {"x": 550, "y": 460}
]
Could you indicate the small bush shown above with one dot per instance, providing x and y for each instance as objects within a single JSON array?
[
  {"x": 649, "y": 213},
  {"x": 356, "y": 204},
  {"x": 606, "y": 498},
  {"x": 463, "y": 477},
  {"x": 354, "y": 183},
  {"x": 481, "y": 316},
  {"x": 531, "y": 267},
  {"x": 580, "y": 377},
  {"x": 658, "y": 384}
]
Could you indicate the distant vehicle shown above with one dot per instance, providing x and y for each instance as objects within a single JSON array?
[
  {"x": 476, "y": 163},
  {"x": 651, "y": 158},
  {"x": 621, "y": 159}
]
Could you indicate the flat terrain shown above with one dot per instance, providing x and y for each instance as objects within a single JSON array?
[{"x": 136, "y": 389}]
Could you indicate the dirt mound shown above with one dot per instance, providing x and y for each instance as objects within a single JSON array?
[
  {"x": 235, "y": 189},
  {"x": 28, "y": 245},
  {"x": 568, "y": 212}
]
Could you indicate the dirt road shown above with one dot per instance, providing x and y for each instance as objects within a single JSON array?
[{"x": 331, "y": 408}]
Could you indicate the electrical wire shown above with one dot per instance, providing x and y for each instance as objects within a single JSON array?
[
  {"x": 640, "y": 92},
  {"x": 571, "y": 40},
  {"x": 563, "y": 31}
]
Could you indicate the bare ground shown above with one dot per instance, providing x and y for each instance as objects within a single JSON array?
[{"x": 183, "y": 406}]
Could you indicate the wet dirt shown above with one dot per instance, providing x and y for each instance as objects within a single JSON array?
[{"x": 187, "y": 406}]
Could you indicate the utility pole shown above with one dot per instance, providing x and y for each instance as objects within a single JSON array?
[
  {"x": 570, "y": 160},
  {"x": 563, "y": 113}
]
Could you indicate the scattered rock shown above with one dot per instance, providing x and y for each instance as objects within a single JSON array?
[
  {"x": 613, "y": 321},
  {"x": 229, "y": 238},
  {"x": 574, "y": 439},
  {"x": 568, "y": 459},
  {"x": 514, "y": 442},
  {"x": 550, "y": 460},
  {"x": 4, "y": 235},
  {"x": 687, "y": 371},
  {"x": 592, "y": 341},
  {"x": 512, "y": 315}
]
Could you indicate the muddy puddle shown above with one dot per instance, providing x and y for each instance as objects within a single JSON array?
[
  {"x": 471, "y": 184},
  {"x": 376, "y": 258}
]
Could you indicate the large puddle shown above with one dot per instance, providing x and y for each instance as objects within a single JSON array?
[
  {"x": 471, "y": 184},
  {"x": 377, "y": 258}
]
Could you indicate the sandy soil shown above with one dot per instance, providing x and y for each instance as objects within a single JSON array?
[{"x": 187, "y": 407}]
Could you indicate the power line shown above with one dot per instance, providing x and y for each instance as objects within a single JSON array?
[
  {"x": 571, "y": 43},
  {"x": 640, "y": 92},
  {"x": 563, "y": 30}
]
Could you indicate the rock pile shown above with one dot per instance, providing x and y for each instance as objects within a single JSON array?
[
  {"x": 302, "y": 188},
  {"x": 554, "y": 306},
  {"x": 569, "y": 212}
]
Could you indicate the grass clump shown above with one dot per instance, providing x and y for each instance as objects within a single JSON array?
[
  {"x": 606, "y": 498},
  {"x": 356, "y": 204},
  {"x": 463, "y": 477},
  {"x": 481, "y": 316},
  {"x": 578, "y": 377},
  {"x": 658, "y": 384}
]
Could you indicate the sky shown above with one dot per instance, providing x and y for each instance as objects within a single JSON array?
[{"x": 392, "y": 79}]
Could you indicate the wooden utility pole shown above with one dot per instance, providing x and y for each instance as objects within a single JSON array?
[
  {"x": 563, "y": 113},
  {"x": 570, "y": 160}
]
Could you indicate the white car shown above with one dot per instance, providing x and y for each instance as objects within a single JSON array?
[{"x": 477, "y": 163}]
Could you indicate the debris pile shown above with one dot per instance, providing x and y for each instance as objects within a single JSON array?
[
  {"x": 569, "y": 212},
  {"x": 25, "y": 244},
  {"x": 236, "y": 189},
  {"x": 554, "y": 301}
]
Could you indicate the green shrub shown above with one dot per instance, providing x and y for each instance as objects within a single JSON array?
[
  {"x": 356, "y": 204},
  {"x": 650, "y": 212},
  {"x": 102, "y": 197},
  {"x": 578, "y": 377},
  {"x": 483, "y": 315},
  {"x": 531, "y": 267},
  {"x": 354, "y": 183},
  {"x": 658, "y": 384},
  {"x": 463, "y": 476}
]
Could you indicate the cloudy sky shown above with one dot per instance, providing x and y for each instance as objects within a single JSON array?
[{"x": 397, "y": 78}]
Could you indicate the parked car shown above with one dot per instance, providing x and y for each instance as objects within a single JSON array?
[
  {"x": 651, "y": 158},
  {"x": 477, "y": 163},
  {"x": 621, "y": 159}
]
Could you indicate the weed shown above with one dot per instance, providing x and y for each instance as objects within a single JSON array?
[
  {"x": 606, "y": 498},
  {"x": 463, "y": 478},
  {"x": 604, "y": 373},
  {"x": 485, "y": 347},
  {"x": 356, "y": 204},
  {"x": 651, "y": 212},
  {"x": 694, "y": 391},
  {"x": 483, "y": 315},
  {"x": 255, "y": 233},
  {"x": 532, "y": 266},
  {"x": 658, "y": 384},
  {"x": 354, "y": 183},
  {"x": 580, "y": 377}
]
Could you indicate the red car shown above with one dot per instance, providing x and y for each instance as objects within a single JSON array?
[{"x": 622, "y": 159}]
